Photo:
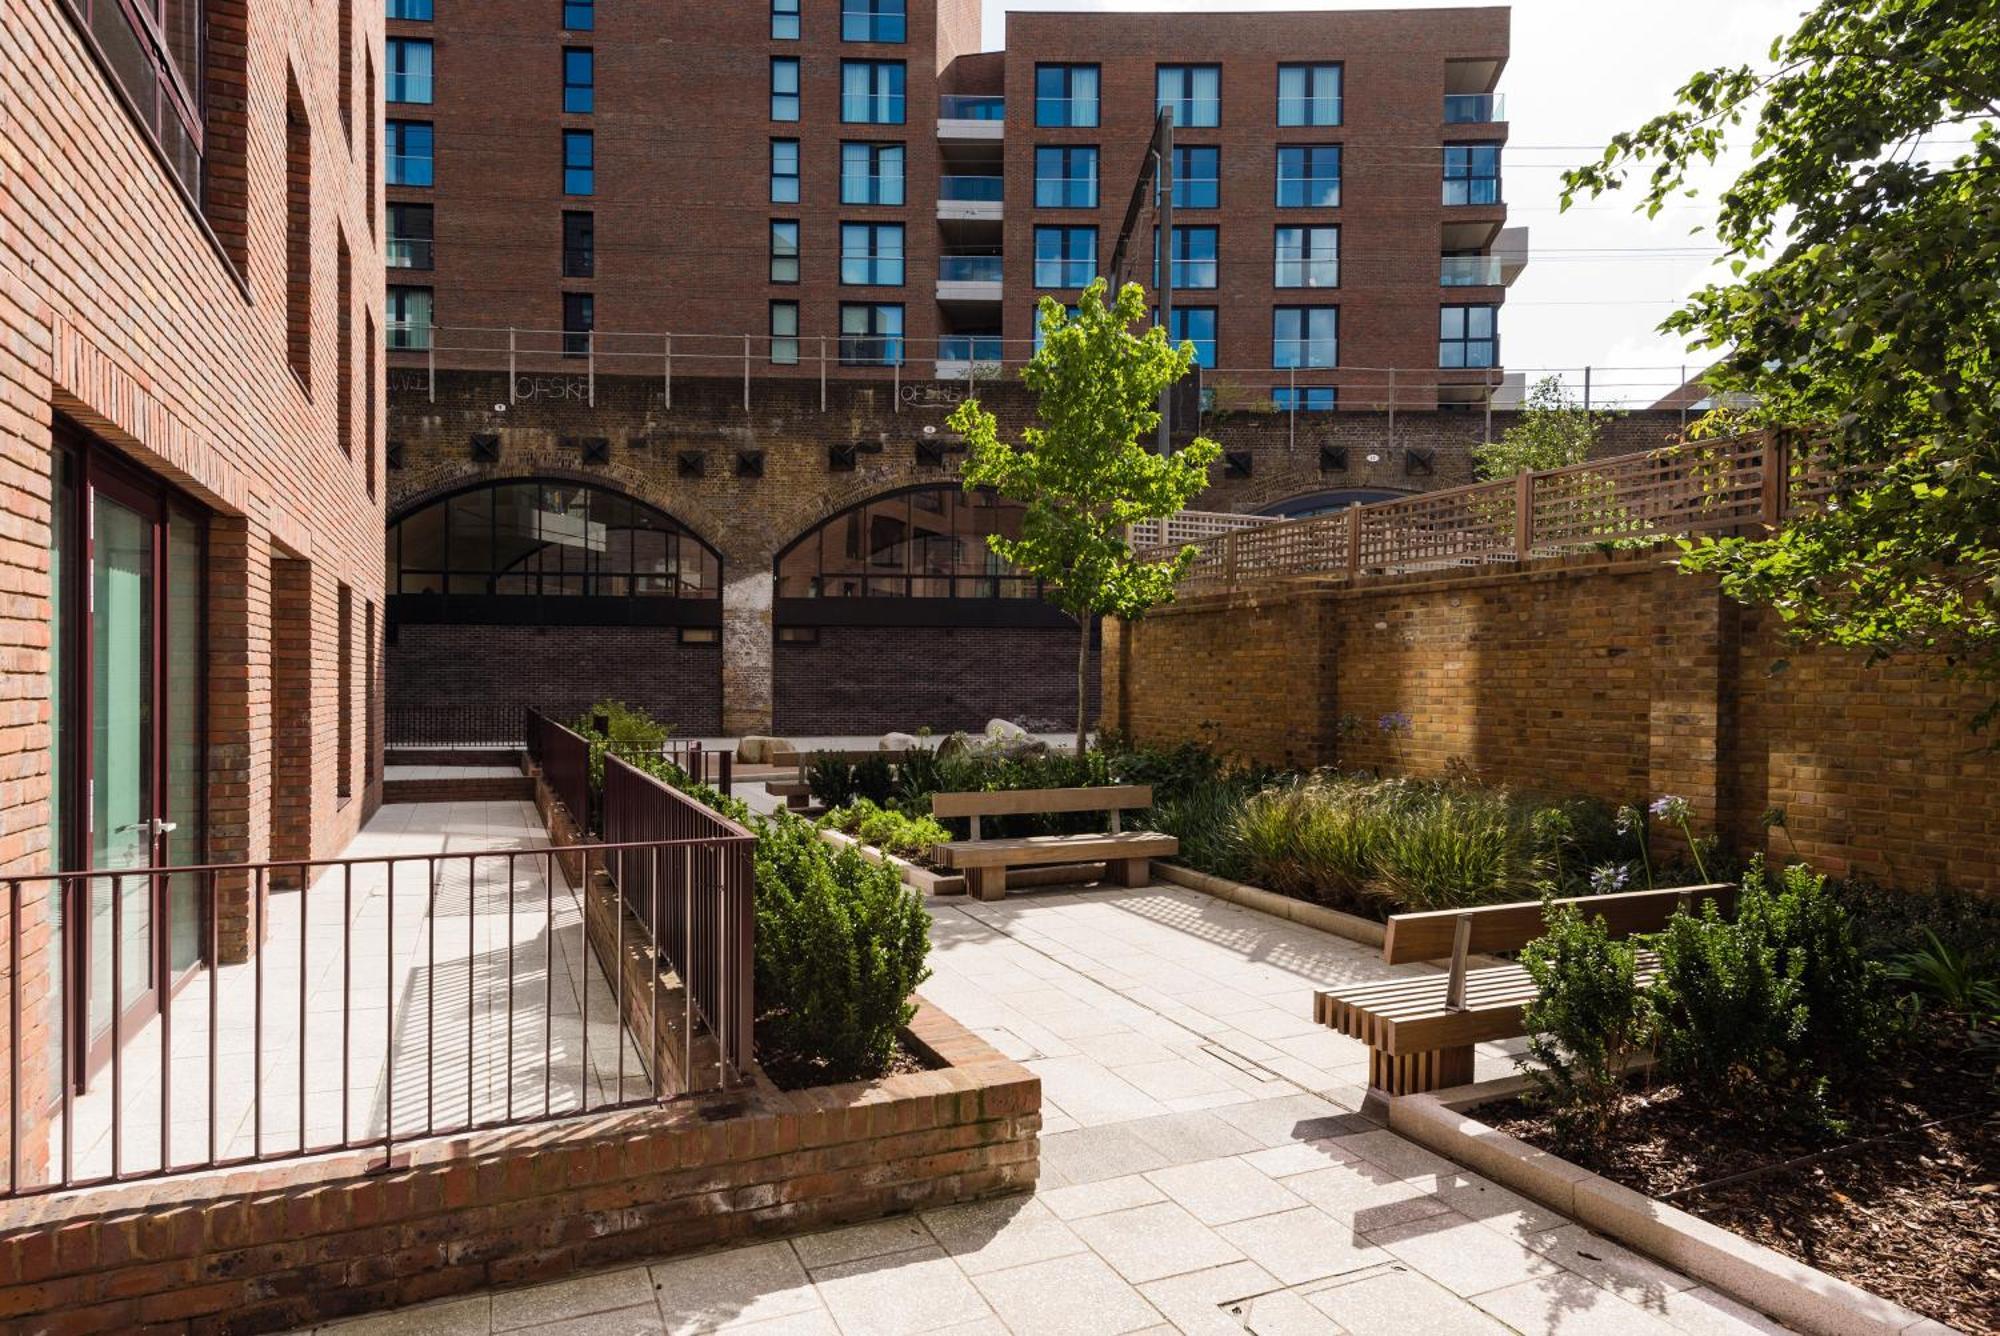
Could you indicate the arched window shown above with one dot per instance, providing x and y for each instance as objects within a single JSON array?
[
  {"x": 547, "y": 538},
  {"x": 927, "y": 542},
  {"x": 1324, "y": 503}
]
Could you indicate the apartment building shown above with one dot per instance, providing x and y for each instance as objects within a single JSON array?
[
  {"x": 798, "y": 188},
  {"x": 191, "y": 410}
]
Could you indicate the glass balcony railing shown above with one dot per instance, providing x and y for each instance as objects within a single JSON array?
[
  {"x": 1470, "y": 271},
  {"x": 969, "y": 348},
  {"x": 1474, "y": 108},
  {"x": 969, "y": 269},
  {"x": 1308, "y": 111},
  {"x": 971, "y": 107},
  {"x": 408, "y": 252},
  {"x": 970, "y": 189}
]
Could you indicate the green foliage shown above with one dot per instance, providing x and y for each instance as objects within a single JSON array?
[
  {"x": 1207, "y": 820},
  {"x": 1585, "y": 1026},
  {"x": 1470, "y": 847},
  {"x": 887, "y": 829},
  {"x": 836, "y": 783},
  {"x": 1771, "y": 1006},
  {"x": 1863, "y": 241},
  {"x": 636, "y": 738},
  {"x": 1318, "y": 839},
  {"x": 1083, "y": 474},
  {"x": 841, "y": 945},
  {"x": 1965, "y": 981},
  {"x": 1553, "y": 431}
]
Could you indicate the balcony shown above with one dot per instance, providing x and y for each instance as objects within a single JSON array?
[
  {"x": 1474, "y": 108},
  {"x": 969, "y": 278},
  {"x": 970, "y": 197},
  {"x": 969, "y": 356},
  {"x": 1469, "y": 271},
  {"x": 409, "y": 253},
  {"x": 971, "y": 116}
]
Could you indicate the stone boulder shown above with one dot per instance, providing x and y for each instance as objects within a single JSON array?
[
  {"x": 757, "y": 750},
  {"x": 900, "y": 742}
]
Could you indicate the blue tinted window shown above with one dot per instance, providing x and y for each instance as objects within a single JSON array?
[
  {"x": 871, "y": 92},
  {"x": 579, "y": 162},
  {"x": 871, "y": 173},
  {"x": 872, "y": 20},
  {"x": 785, "y": 20},
  {"x": 1305, "y": 336},
  {"x": 1194, "y": 92},
  {"x": 410, "y": 153},
  {"x": 579, "y": 80},
  {"x": 785, "y": 89},
  {"x": 871, "y": 254},
  {"x": 1066, "y": 95},
  {"x": 784, "y": 171},
  {"x": 1065, "y": 257},
  {"x": 1305, "y": 398},
  {"x": 1065, "y": 178},
  {"x": 580, "y": 15},
  {"x": 1471, "y": 173},
  {"x": 1195, "y": 263},
  {"x": 1309, "y": 177},
  {"x": 418, "y": 11}
]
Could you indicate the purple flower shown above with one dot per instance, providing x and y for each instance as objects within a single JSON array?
[
  {"x": 1672, "y": 808},
  {"x": 1394, "y": 722},
  {"x": 1610, "y": 877},
  {"x": 1629, "y": 820}
]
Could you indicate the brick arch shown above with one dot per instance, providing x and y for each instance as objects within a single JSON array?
[
  {"x": 474, "y": 479},
  {"x": 864, "y": 495}
]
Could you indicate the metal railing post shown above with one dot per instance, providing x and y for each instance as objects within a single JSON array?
[
  {"x": 1354, "y": 541},
  {"x": 1489, "y": 406},
  {"x": 1586, "y": 389},
  {"x": 822, "y": 373},
  {"x": 590, "y": 364},
  {"x": 431, "y": 363},
  {"x": 512, "y": 371},
  {"x": 1392, "y": 408},
  {"x": 896, "y": 386},
  {"x": 1292, "y": 418},
  {"x": 670, "y": 370},
  {"x": 746, "y": 373}
]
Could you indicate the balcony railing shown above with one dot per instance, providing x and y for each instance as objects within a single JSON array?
[
  {"x": 971, "y": 189},
  {"x": 970, "y": 348},
  {"x": 969, "y": 268},
  {"x": 1469, "y": 271},
  {"x": 1307, "y": 111},
  {"x": 871, "y": 108},
  {"x": 971, "y": 107},
  {"x": 1474, "y": 108},
  {"x": 409, "y": 252}
]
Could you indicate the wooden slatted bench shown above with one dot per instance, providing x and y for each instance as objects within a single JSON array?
[
  {"x": 1127, "y": 854},
  {"x": 1420, "y": 1029}
]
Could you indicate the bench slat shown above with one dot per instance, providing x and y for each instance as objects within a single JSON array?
[
  {"x": 1040, "y": 849},
  {"x": 1429, "y": 936},
  {"x": 1413, "y": 1023},
  {"x": 1024, "y": 802}
]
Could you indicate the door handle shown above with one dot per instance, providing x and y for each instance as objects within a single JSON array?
[{"x": 153, "y": 826}]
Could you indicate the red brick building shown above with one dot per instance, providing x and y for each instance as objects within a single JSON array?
[
  {"x": 190, "y": 420},
  {"x": 795, "y": 188}
]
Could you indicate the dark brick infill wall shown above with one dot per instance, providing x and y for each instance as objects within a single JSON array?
[
  {"x": 1617, "y": 677},
  {"x": 286, "y": 1245},
  {"x": 560, "y": 670},
  {"x": 860, "y": 680},
  {"x": 685, "y": 460}
]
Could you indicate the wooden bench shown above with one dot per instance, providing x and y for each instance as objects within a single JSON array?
[
  {"x": 1420, "y": 1029},
  {"x": 1127, "y": 854},
  {"x": 797, "y": 792}
]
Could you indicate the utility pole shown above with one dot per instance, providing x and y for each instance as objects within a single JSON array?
[{"x": 1163, "y": 149}]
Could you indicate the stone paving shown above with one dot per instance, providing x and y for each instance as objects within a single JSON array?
[{"x": 1204, "y": 1169}]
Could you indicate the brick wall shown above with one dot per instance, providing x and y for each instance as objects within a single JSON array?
[
  {"x": 865, "y": 679},
  {"x": 559, "y": 670},
  {"x": 1616, "y": 677},
  {"x": 161, "y": 327},
  {"x": 281, "y": 1246}
]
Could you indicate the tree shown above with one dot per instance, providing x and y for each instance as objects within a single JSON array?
[
  {"x": 1083, "y": 475},
  {"x": 1864, "y": 310},
  {"x": 1552, "y": 432}
]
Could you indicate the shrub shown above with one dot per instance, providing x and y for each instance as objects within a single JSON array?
[
  {"x": 841, "y": 945},
  {"x": 1316, "y": 838},
  {"x": 1206, "y": 819},
  {"x": 1771, "y": 1006},
  {"x": 887, "y": 829},
  {"x": 1585, "y": 1026}
]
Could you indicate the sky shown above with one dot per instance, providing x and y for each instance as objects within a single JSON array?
[{"x": 1601, "y": 277}]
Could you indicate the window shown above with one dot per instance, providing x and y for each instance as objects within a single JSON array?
[
  {"x": 579, "y": 240},
  {"x": 1035, "y": 321},
  {"x": 871, "y": 334},
  {"x": 1065, "y": 257},
  {"x": 155, "y": 54},
  {"x": 1194, "y": 92},
  {"x": 343, "y": 678},
  {"x": 409, "y": 312},
  {"x": 1065, "y": 178},
  {"x": 871, "y": 173},
  {"x": 1467, "y": 337},
  {"x": 929, "y": 542},
  {"x": 1309, "y": 95},
  {"x": 345, "y": 39},
  {"x": 343, "y": 342},
  {"x": 1195, "y": 262},
  {"x": 784, "y": 333},
  {"x": 784, "y": 250},
  {"x": 410, "y": 153},
  {"x": 784, "y": 171},
  {"x": 1305, "y": 398},
  {"x": 1066, "y": 95},
  {"x": 547, "y": 538},
  {"x": 871, "y": 92},
  {"x": 579, "y": 318},
  {"x": 1305, "y": 336},
  {"x": 1308, "y": 257},
  {"x": 298, "y": 234},
  {"x": 413, "y": 11},
  {"x": 1196, "y": 325},
  {"x": 871, "y": 254},
  {"x": 784, "y": 20},
  {"x": 579, "y": 80},
  {"x": 784, "y": 88},
  {"x": 409, "y": 69},
  {"x": 1309, "y": 177},
  {"x": 579, "y": 15},
  {"x": 579, "y": 162},
  {"x": 1197, "y": 177},
  {"x": 1471, "y": 173},
  {"x": 409, "y": 244},
  {"x": 871, "y": 21}
]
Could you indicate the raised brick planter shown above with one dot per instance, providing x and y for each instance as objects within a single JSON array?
[{"x": 287, "y": 1245}]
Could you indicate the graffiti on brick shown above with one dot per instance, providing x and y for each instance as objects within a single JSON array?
[
  {"x": 534, "y": 389},
  {"x": 409, "y": 382},
  {"x": 933, "y": 393}
]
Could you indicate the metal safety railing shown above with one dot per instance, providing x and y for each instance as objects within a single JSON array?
[{"x": 563, "y": 757}]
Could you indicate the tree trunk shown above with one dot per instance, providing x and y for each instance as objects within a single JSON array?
[{"x": 1082, "y": 682}]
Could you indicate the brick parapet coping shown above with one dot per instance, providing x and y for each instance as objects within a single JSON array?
[{"x": 288, "y": 1244}]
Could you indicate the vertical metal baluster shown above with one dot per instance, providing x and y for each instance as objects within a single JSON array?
[
  {"x": 548, "y": 979},
  {"x": 655, "y": 885},
  {"x": 583, "y": 982},
  {"x": 618, "y": 963},
  {"x": 117, "y": 1019},
  {"x": 687, "y": 964},
  {"x": 346, "y": 1000},
  {"x": 389, "y": 1022},
  {"x": 71, "y": 899},
  {"x": 471, "y": 994},
  {"x": 214, "y": 1007},
  {"x": 512, "y": 858},
  {"x": 430, "y": 992},
  {"x": 166, "y": 1034},
  {"x": 14, "y": 1035},
  {"x": 258, "y": 883},
  {"x": 304, "y": 921}
]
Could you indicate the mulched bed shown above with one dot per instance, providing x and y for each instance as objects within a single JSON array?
[
  {"x": 1914, "y": 1217},
  {"x": 799, "y": 1071}
]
